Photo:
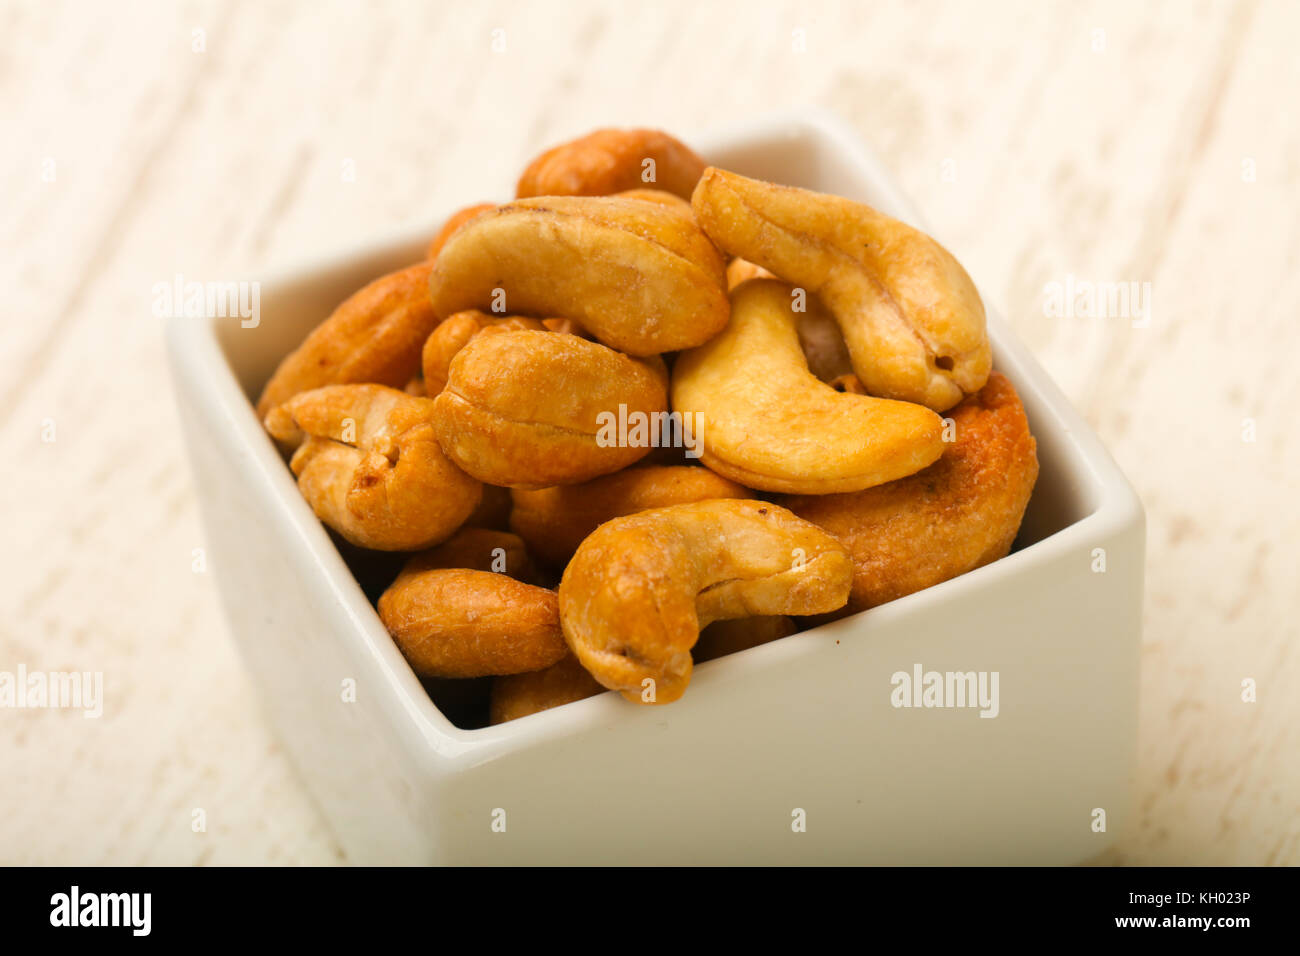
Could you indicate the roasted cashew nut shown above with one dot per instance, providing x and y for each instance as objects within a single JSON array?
[
  {"x": 530, "y": 409},
  {"x": 911, "y": 316},
  {"x": 553, "y": 521},
  {"x": 472, "y": 621},
  {"x": 374, "y": 336},
  {"x": 767, "y": 422},
  {"x": 611, "y": 161},
  {"x": 369, "y": 464},
  {"x": 639, "y": 276},
  {"x": 957, "y": 515},
  {"x": 639, "y": 588}
]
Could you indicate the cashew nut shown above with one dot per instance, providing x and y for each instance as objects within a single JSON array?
[
  {"x": 553, "y": 521},
  {"x": 639, "y": 276},
  {"x": 610, "y": 161},
  {"x": 640, "y": 587},
  {"x": 374, "y": 336},
  {"x": 450, "y": 620},
  {"x": 767, "y": 422},
  {"x": 370, "y": 466},
  {"x": 911, "y": 316},
  {"x": 530, "y": 409},
  {"x": 957, "y": 515}
]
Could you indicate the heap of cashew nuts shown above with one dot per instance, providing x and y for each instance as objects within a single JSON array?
[{"x": 835, "y": 435}]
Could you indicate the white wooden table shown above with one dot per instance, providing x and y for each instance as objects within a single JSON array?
[{"x": 1109, "y": 142}]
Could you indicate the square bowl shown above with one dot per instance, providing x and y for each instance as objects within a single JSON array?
[{"x": 790, "y": 752}]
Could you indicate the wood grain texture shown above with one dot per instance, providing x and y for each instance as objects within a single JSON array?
[{"x": 1108, "y": 141}]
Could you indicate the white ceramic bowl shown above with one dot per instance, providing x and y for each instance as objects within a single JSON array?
[{"x": 802, "y": 724}]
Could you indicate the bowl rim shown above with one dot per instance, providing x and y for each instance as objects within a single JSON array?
[{"x": 204, "y": 372}]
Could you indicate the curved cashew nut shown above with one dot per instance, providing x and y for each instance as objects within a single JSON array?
[
  {"x": 767, "y": 422},
  {"x": 370, "y": 466},
  {"x": 957, "y": 515},
  {"x": 553, "y": 521},
  {"x": 911, "y": 316},
  {"x": 530, "y": 409},
  {"x": 637, "y": 592},
  {"x": 455, "y": 621},
  {"x": 374, "y": 336},
  {"x": 639, "y": 276},
  {"x": 610, "y": 161}
]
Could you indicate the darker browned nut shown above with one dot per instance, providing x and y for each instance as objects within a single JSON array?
[
  {"x": 611, "y": 161},
  {"x": 374, "y": 336},
  {"x": 474, "y": 621}
]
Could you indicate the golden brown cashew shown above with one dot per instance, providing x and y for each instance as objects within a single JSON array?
[
  {"x": 553, "y": 521},
  {"x": 634, "y": 597},
  {"x": 639, "y": 276},
  {"x": 768, "y": 423},
  {"x": 529, "y": 409},
  {"x": 610, "y": 161},
  {"x": 473, "y": 621},
  {"x": 370, "y": 466},
  {"x": 519, "y": 695},
  {"x": 959, "y": 514},
  {"x": 374, "y": 336},
  {"x": 911, "y": 316}
]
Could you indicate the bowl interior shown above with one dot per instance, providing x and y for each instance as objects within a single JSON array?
[{"x": 797, "y": 152}]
